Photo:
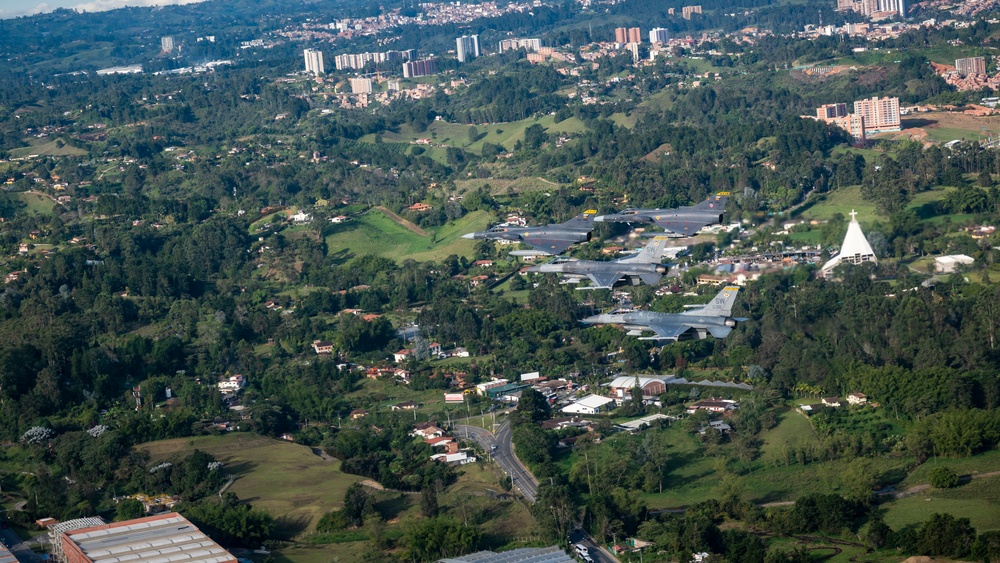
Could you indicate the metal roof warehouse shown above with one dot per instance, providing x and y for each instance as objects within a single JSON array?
[{"x": 164, "y": 538}]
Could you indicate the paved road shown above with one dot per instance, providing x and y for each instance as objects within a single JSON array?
[
  {"x": 596, "y": 552},
  {"x": 521, "y": 478},
  {"x": 20, "y": 549}
]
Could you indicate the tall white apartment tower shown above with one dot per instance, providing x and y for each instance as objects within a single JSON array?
[
  {"x": 658, "y": 35},
  {"x": 167, "y": 44},
  {"x": 467, "y": 47},
  {"x": 314, "y": 61}
]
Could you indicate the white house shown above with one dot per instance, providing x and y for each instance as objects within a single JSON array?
[
  {"x": 591, "y": 404},
  {"x": 950, "y": 264},
  {"x": 857, "y": 399},
  {"x": 234, "y": 383},
  {"x": 301, "y": 217},
  {"x": 339, "y": 219},
  {"x": 401, "y": 355}
]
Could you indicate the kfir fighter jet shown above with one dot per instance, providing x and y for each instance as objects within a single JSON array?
[
  {"x": 545, "y": 240},
  {"x": 697, "y": 322},
  {"x": 638, "y": 268},
  {"x": 680, "y": 222}
]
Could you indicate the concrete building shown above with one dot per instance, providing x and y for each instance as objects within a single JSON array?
[
  {"x": 686, "y": 11},
  {"x": 423, "y": 67},
  {"x": 591, "y": 404},
  {"x": 167, "y": 44},
  {"x": 361, "y": 85},
  {"x": 659, "y": 35},
  {"x": 314, "y": 62},
  {"x": 621, "y": 35},
  {"x": 855, "y": 250},
  {"x": 467, "y": 47},
  {"x": 634, "y": 35},
  {"x": 950, "y": 264},
  {"x": 971, "y": 65},
  {"x": 530, "y": 45},
  {"x": 830, "y": 111},
  {"x": 628, "y": 35},
  {"x": 881, "y": 114},
  {"x": 164, "y": 537},
  {"x": 621, "y": 387}
]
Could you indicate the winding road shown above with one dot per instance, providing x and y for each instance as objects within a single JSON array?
[{"x": 521, "y": 478}]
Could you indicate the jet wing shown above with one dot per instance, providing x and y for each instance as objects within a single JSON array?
[
  {"x": 552, "y": 246},
  {"x": 686, "y": 228},
  {"x": 604, "y": 279},
  {"x": 666, "y": 331}
]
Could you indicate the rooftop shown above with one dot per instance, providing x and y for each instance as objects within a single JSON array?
[
  {"x": 157, "y": 539},
  {"x": 523, "y": 555}
]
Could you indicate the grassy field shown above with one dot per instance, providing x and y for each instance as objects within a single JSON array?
[
  {"x": 375, "y": 233},
  {"x": 36, "y": 204},
  {"x": 457, "y": 134},
  {"x": 977, "y": 500},
  {"x": 286, "y": 479},
  {"x": 846, "y": 199},
  {"x": 499, "y": 186},
  {"x": 49, "y": 148},
  {"x": 944, "y": 126},
  {"x": 841, "y": 201},
  {"x": 694, "y": 476},
  {"x": 793, "y": 430}
]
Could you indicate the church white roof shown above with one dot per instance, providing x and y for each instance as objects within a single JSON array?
[{"x": 855, "y": 249}]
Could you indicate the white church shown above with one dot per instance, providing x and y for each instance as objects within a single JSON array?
[{"x": 855, "y": 249}]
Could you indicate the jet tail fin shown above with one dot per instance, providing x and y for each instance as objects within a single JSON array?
[
  {"x": 715, "y": 202},
  {"x": 650, "y": 254},
  {"x": 584, "y": 220},
  {"x": 720, "y": 306}
]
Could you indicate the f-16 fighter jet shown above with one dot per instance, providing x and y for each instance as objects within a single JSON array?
[
  {"x": 642, "y": 267},
  {"x": 697, "y": 322},
  {"x": 680, "y": 222},
  {"x": 546, "y": 240}
]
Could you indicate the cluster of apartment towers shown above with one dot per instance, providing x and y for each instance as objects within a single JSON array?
[
  {"x": 874, "y": 115},
  {"x": 875, "y": 9}
]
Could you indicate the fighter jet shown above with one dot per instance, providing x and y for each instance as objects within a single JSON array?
[
  {"x": 642, "y": 267},
  {"x": 680, "y": 222},
  {"x": 697, "y": 322},
  {"x": 547, "y": 239}
]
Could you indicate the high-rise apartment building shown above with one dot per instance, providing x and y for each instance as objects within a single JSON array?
[
  {"x": 423, "y": 67},
  {"x": 971, "y": 65},
  {"x": 314, "y": 62},
  {"x": 359, "y": 61},
  {"x": 467, "y": 47},
  {"x": 167, "y": 44},
  {"x": 621, "y": 35},
  {"x": 634, "y": 35},
  {"x": 830, "y": 111},
  {"x": 530, "y": 45},
  {"x": 880, "y": 8},
  {"x": 686, "y": 11},
  {"x": 361, "y": 85},
  {"x": 659, "y": 35},
  {"x": 880, "y": 114}
]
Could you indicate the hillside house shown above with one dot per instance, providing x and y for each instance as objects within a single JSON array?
[
  {"x": 857, "y": 399},
  {"x": 831, "y": 401},
  {"x": 402, "y": 355},
  {"x": 322, "y": 347},
  {"x": 713, "y": 405}
]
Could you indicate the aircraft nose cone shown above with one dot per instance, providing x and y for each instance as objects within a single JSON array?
[
  {"x": 591, "y": 320},
  {"x": 469, "y": 235}
]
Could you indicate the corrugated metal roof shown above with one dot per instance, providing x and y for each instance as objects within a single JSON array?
[
  {"x": 6, "y": 556},
  {"x": 524, "y": 555},
  {"x": 162, "y": 540}
]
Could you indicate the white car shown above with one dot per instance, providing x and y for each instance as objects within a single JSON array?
[{"x": 582, "y": 549}]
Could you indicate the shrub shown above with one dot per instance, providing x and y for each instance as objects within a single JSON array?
[{"x": 943, "y": 478}]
